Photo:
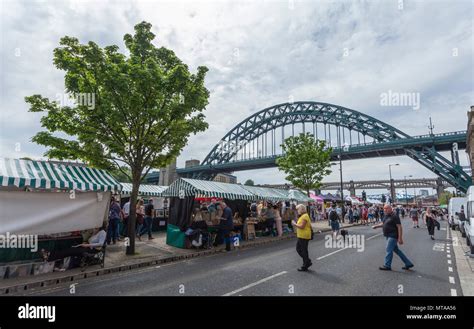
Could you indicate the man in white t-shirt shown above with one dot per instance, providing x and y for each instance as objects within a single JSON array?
[{"x": 126, "y": 213}]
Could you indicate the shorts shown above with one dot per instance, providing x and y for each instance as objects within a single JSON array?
[
  {"x": 371, "y": 216},
  {"x": 335, "y": 225}
]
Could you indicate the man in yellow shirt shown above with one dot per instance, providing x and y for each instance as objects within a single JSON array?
[{"x": 303, "y": 233}]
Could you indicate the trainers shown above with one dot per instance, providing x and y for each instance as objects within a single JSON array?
[
  {"x": 383, "y": 268},
  {"x": 407, "y": 267},
  {"x": 303, "y": 269}
]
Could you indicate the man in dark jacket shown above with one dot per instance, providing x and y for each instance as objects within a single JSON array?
[{"x": 226, "y": 225}]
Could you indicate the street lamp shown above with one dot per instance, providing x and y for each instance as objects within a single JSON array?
[
  {"x": 406, "y": 193},
  {"x": 392, "y": 192}
]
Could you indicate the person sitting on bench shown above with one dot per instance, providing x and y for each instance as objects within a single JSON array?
[{"x": 94, "y": 244}]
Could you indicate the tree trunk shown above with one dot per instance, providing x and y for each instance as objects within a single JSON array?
[{"x": 132, "y": 219}]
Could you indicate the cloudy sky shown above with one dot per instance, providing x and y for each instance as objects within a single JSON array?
[{"x": 262, "y": 53}]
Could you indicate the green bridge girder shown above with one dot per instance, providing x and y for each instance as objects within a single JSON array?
[{"x": 387, "y": 140}]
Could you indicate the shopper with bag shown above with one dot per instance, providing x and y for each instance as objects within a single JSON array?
[
  {"x": 304, "y": 233},
  {"x": 430, "y": 222},
  {"x": 334, "y": 220}
]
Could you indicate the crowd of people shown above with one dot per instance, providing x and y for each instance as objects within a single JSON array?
[
  {"x": 387, "y": 217},
  {"x": 120, "y": 215}
]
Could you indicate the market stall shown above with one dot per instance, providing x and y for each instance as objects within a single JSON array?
[
  {"x": 187, "y": 211},
  {"x": 150, "y": 192},
  {"x": 61, "y": 200},
  {"x": 184, "y": 209},
  {"x": 354, "y": 201}
]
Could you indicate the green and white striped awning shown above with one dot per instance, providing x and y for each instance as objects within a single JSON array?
[
  {"x": 144, "y": 189},
  {"x": 267, "y": 193},
  {"x": 51, "y": 175},
  {"x": 185, "y": 187},
  {"x": 298, "y": 196}
]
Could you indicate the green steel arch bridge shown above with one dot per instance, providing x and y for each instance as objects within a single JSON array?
[{"x": 254, "y": 142}]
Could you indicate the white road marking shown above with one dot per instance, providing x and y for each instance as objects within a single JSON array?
[
  {"x": 454, "y": 292},
  {"x": 451, "y": 279},
  {"x": 255, "y": 283},
  {"x": 449, "y": 256},
  {"x": 448, "y": 251},
  {"x": 449, "y": 261},
  {"x": 438, "y": 246},
  {"x": 331, "y": 253},
  {"x": 450, "y": 269},
  {"x": 374, "y": 236}
]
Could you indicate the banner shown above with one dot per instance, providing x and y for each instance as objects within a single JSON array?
[{"x": 49, "y": 212}]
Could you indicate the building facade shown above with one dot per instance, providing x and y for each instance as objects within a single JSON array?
[{"x": 225, "y": 178}]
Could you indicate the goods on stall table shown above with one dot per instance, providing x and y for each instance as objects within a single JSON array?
[{"x": 249, "y": 228}]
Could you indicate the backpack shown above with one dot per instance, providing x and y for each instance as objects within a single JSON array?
[{"x": 333, "y": 215}]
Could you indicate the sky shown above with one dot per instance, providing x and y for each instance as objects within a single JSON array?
[{"x": 262, "y": 53}]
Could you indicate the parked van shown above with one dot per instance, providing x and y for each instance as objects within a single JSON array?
[
  {"x": 455, "y": 206},
  {"x": 469, "y": 223}
]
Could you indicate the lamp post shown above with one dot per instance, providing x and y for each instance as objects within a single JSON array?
[
  {"x": 406, "y": 193},
  {"x": 392, "y": 188}
]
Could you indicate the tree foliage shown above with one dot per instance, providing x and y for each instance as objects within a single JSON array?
[
  {"x": 445, "y": 197},
  {"x": 305, "y": 161},
  {"x": 145, "y": 106}
]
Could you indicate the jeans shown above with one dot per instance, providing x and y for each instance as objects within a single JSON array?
[
  {"x": 392, "y": 247},
  {"x": 302, "y": 250},
  {"x": 112, "y": 230},
  {"x": 223, "y": 235},
  {"x": 146, "y": 228},
  {"x": 125, "y": 226}
]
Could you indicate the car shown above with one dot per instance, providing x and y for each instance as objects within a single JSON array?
[
  {"x": 469, "y": 223},
  {"x": 454, "y": 207}
]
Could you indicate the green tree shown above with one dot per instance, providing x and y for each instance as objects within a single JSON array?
[
  {"x": 145, "y": 106},
  {"x": 249, "y": 182},
  {"x": 445, "y": 197},
  {"x": 122, "y": 174},
  {"x": 305, "y": 161}
]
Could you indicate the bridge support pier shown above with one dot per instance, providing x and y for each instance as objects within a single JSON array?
[{"x": 352, "y": 189}]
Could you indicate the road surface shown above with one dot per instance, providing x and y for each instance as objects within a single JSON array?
[{"x": 270, "y": 270}]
